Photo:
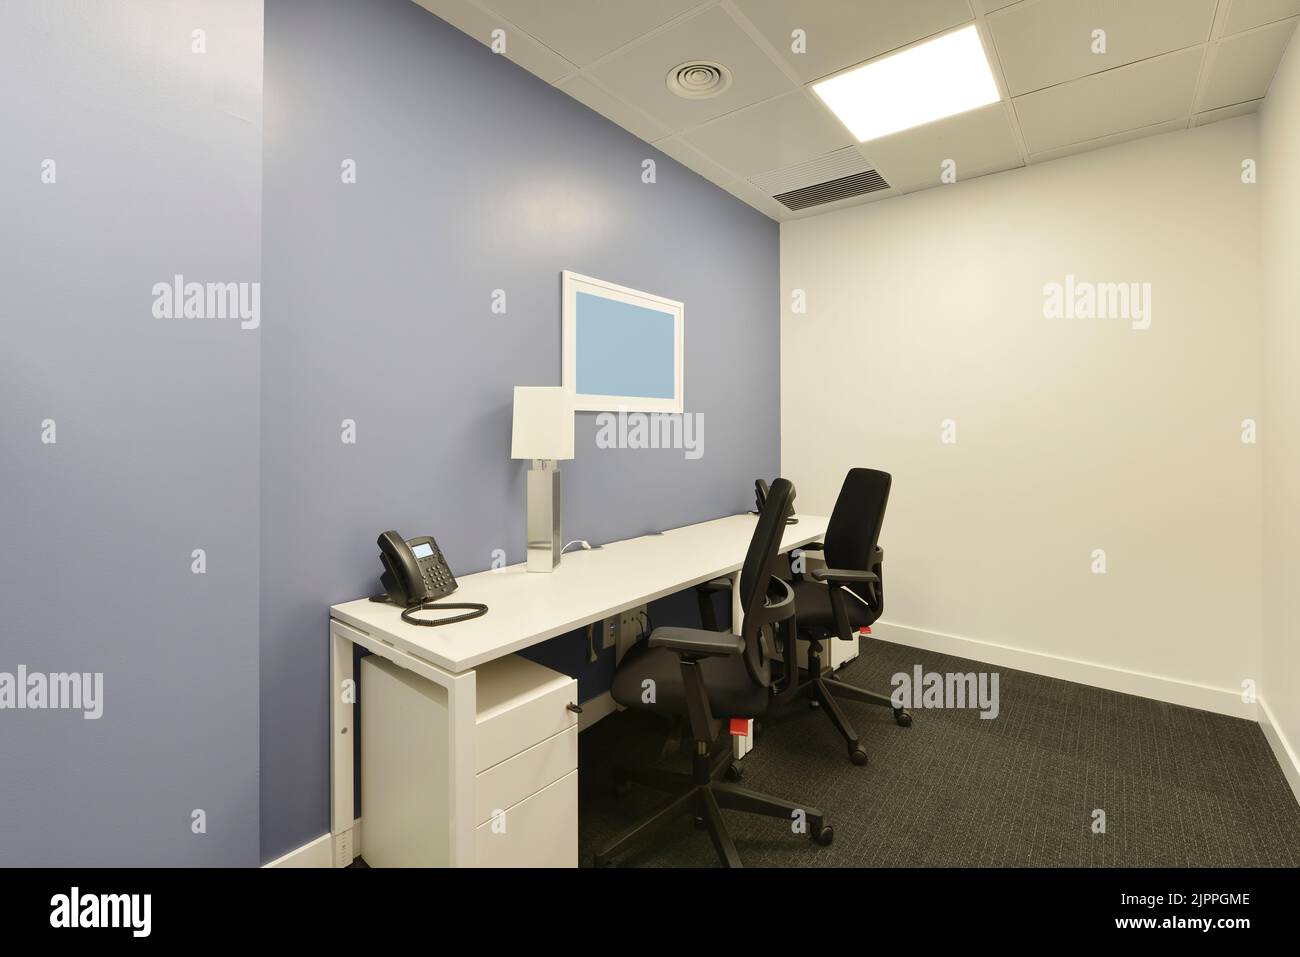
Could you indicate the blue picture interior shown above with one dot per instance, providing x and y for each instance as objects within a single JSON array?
[{"x": 624, "y": 349}]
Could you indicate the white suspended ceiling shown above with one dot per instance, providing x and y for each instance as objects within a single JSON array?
[{"x": 1168, "y": 64}]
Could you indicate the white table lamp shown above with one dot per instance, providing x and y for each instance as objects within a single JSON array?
[{"x": 543, "y": 433}]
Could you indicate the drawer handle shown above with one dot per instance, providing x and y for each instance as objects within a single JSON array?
[{"x": 576, "y": 709}]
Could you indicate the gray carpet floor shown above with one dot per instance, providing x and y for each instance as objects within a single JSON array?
[{"x": 1179, "y": 787}]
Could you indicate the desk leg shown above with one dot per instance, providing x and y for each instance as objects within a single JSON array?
[
  {"x": 740, "y": 746},
  {"x": 342, "y": 695},
  {"x": 462, "y": 715}
]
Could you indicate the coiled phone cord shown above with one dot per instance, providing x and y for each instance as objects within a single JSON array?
[
  {"x": 475, "y": 610},
  {"x": 478, "y": 611}
]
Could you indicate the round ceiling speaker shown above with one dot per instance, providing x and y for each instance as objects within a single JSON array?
[{"x": 699, "y": 79}]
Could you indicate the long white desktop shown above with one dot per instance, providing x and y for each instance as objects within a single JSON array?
[{"x": 508, "y": 724}]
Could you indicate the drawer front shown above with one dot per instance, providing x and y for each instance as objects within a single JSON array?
[
  {"x": 507, "y": 733},
  {"x": 540, "y": 831},
  {"x": 514, "y": 779}
]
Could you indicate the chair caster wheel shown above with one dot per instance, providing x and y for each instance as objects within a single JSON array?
[
  {"x": 734, "y": 773},
  {"x": 858, "y": 756},
  {"x": 902, "y": 718},
  {"x": 699, "y": 823},
  {"x": 824, "y": 835}
]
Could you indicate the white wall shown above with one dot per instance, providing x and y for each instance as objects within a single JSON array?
[
  {"x": 1072, "y": 434},
  {"x": 1279, "y": 129}
]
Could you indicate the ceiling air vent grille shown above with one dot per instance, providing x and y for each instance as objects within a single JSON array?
[
  {"x": 828, "y": 166},
  {"x": 699, "y": 79},
  {"x": 846, "y": 187}
]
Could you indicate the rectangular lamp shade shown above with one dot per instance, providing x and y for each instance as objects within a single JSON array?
[{"x": 543, "y": 423}]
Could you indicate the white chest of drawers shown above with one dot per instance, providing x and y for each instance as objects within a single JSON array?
[{"x": 525, "y": 776}]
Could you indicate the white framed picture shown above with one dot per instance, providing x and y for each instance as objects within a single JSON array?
[{"x": 622, "y": 348}]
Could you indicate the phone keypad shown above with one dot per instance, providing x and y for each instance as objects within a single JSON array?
[{"x": 436, "y": 576}]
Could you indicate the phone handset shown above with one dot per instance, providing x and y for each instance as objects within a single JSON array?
[
  {"x": 760, "y": 496},
  {"x": 415, "y": 573}
]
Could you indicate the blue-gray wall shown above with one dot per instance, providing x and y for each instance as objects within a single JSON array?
[
  {"x": 472, "y": 175},
  {"x": 157, "y": 153}
]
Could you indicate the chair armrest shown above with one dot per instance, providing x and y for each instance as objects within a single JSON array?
[
  {"x": 810, "y": 547},
  {"x": 779, "y": 607},
  {"x": 697, "y": 641},
  {"x": 844, "y": 576}
]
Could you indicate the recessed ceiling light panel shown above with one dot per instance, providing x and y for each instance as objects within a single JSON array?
[
  {"x": 699, "y": 79},
  {"x": 927, "y": 82}
]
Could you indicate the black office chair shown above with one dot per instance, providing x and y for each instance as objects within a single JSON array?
[
  {"x": 848, "y": 594},
  {"x": 708, "y": 676},
  {"x": 705, "y": 591}
]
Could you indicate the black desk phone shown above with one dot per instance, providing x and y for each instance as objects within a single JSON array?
[{"x": 415, "y": 575}]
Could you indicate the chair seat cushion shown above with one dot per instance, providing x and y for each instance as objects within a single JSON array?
[
  {"x": 732, "y": 692},
  {"x": 812, "y": 608}
]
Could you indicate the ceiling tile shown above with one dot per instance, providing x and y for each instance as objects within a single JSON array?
[
  {"x": 611, "y": 107},
  {"x": 988, "y": 6},
  {"x": 789, "y": 129},
  {"x": 1133, "y": 96},
  {"x": 1169, "y": 126},
  {"x": 585, "y": 30},
  {"x": 841, "y": 33},
  {"x": 765, "y": 204},
  {"x": 837, "y": 164},
  {"x": 1243, "y": 66},
  {"x": 1226, "y": 112},
  {"x": 1045, "y": 42},
  {"x": 691, "y": 158},
  {"x": 979, "y": 142},
  {"x": 639, "y": 73},
  {"x": 1247, "y": 14},
  {"x": 522, "y": 49}
]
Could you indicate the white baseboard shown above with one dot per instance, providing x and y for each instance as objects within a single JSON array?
[
  {"x": 318, "y": 852},
  {"x": 315, "y": 853},
  {"x": 1282, "y": 750},
  {"x": 1175, "y": 691}
]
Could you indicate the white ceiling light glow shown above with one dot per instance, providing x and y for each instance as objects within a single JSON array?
[{"x": 941, "y": 77}]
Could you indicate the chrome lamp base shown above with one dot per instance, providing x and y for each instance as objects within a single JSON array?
[{"x": 544, "y": 516}]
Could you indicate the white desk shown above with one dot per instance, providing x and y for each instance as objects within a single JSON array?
[{"x": 524, "y": 610}]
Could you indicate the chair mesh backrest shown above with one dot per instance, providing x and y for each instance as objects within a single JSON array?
[
  {"x": 854, "y": 528},
  {"x": 757, "y": 572}
]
